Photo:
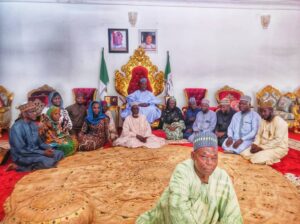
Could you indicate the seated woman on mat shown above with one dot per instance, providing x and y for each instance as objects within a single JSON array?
[
  {"x": 172, "y": 121},
  {"x": 94, "y": 133},
  {"x": 54, "y": 134},
  {"x": 56, "y": 100}
]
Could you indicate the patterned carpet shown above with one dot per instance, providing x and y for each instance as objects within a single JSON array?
[{"x": 118, "y": 184}]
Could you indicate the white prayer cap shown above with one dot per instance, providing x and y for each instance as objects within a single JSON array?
[
  {"x": 246, "y": 98},
  {"x": 205, "y": 101},
  {"x": 134, "y": 103}
]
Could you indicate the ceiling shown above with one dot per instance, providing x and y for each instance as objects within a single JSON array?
[{"x": 173, "y": 2}]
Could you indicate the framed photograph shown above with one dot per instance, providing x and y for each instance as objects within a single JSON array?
[
  {"x": 118, "y": 40},
  {"x": 111, "y": 100},
  {"x": 148, "y": 39}
]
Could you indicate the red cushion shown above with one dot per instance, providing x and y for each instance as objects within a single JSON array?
[
  {"x": 159, "y": 133},
  {"x": 233, "y": 95},
  {"x": 88, "y": 92},
  {"x": 198, "y": 93},
  {"x": 136, "y": 74}
]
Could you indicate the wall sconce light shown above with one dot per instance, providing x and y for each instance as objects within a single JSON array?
[
  {"x": 265, "y": 21},
  {"x": 132, "y": 16}
]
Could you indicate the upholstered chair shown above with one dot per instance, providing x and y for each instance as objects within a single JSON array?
[
  {"x": 284, "y": 104},
  {"x": 232, "y": 94},
  {"x": 139, "y": 66},
  {"x": 6, "y": 99},
  {"x": 197, "y": 93},
  {"x": 41, "y": 93},
  {"x": 90, "y": 93}
]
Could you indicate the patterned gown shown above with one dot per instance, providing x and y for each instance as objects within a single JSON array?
[{"x": 93, "y": 136}]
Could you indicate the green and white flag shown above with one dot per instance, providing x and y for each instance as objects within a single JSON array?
[
  {"x": 104, "y": 79},
  {"x": 169, "y": 78}
]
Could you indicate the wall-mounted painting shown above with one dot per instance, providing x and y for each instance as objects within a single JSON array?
[
  {"x": 118, "y": 40},
  {"x": 148, "y": 39}
]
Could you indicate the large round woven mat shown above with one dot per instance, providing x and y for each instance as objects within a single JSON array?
[{"x": 118, "y": 184}]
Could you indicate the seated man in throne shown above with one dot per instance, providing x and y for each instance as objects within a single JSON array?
[{"x": 146, "y": 102}]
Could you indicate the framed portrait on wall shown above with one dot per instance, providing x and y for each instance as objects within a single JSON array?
[
  {"x": 148, "y": 39},
  {"x": 118, "y": 40},
  {"x": 111, "y": 100}
]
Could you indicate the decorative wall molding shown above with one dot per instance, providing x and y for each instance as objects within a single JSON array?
[{"x": 255, "y": 4}]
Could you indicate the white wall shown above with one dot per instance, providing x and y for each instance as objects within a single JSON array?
[{"x": 60, "y": 44}]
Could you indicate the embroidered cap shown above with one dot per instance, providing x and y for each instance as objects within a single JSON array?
[
  {"x": 205, "y": 139},
  {"x": 26, "y": 106},
  {"x": 267, "y": 104}
]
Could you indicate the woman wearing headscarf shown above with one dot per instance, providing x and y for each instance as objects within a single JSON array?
[
  {"x": 54, "y": 134},
  {"x": 94, "y": 133},
  {"x": 56, "y": 100},
  {"x": 172, "y": 121}
]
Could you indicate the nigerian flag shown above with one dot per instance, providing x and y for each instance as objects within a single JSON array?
[
  {"x": 169, "y": 77},
  {"x": 103, "y": 78}
]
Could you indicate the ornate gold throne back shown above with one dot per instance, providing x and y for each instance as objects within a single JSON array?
[{"x": 139, "y": 66}]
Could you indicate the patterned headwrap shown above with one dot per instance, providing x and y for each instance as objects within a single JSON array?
[
  {"x": 51, "y": 96},
  {"x": 91, "y": 119},
  {"x": 26, "y": 106},
  {"x": 51, "y": 111},
  {"x": 246, "y": 98},
  {"x": 205, "y": 139},
  {"x": 172, "y": 98}
]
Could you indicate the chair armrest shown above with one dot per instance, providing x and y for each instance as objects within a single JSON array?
[
  {"x": 161, "y": 106},
  {"x": 296, "y": 111},
  {"x": 4, "y": 109}
]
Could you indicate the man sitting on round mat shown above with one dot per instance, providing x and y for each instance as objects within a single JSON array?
[
  {"x": 27, "y": 149},
  {"x": 198, "y": 192},
  {"x": 271, "y": 142}
]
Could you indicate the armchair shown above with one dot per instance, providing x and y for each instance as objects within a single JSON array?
[
  {"x": 232, "y": 94},
  {"x": 284, "y": 104},
  {"x": 198, "y": 93},
  {"x": 41, "y": 93},
  {"x": 6, "y": 99},
  {"x": 90, "y": 93}
]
